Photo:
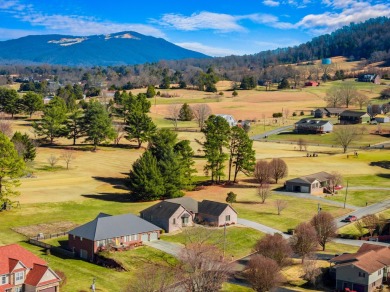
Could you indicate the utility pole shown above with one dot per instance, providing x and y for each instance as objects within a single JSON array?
[
  {"x": 346, "y": 193},
  {"x": 224, "y": 240}
]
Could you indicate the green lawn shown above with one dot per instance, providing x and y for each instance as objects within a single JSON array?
[
  {"x": 235, "y": 288},
  {"x": 361, "y": 197},
  {"x": 297, "y": 211},
  {"x": 239, "y": 240}
]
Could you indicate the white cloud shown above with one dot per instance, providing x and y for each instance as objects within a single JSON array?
[
  {"x": 354, "y": 12},
  {"x": 271, "y": 3},
  {"x": 203, "y": 20},
  {"x": 71, "y": 24},
  {"x": 208, "y": 50}
]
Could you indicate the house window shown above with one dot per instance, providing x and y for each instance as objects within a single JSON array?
[
  {"x": 361, "y": 274},
  {"x": 4, "y": 279},
  {"x": 227, "y": 218},
  {"x": 379, "y": 272},
  {"x": 184, "y": 220},
  {"x": 134, "y": 237},
  {"x": 174, "y": 220},
  {"x": 18, "y": 289},
  {"x": 81, "y": 239},
  {"x": 19, "y": 276}
]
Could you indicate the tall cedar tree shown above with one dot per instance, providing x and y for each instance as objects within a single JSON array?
[
  {"x": 52, "y": 124},
  {"x": 150, "y": 91},
  {"x": 186, "y": 113},
  {"x": 325, "y": 227},
  {"x": 75, "y": 125},
  {"x": 242, "y": 156},
  {"x": 217, "y": 133},
  {"x": 11, "y": 168},
  {"x": 32, "y": 102},
  {"x": 98, "y": 125},
  {"x": 184, "y": 151},
  {"x": 26, "y": 146},
  {"x": 162, "y": 148},
  {"x": 145, "y": 180}
]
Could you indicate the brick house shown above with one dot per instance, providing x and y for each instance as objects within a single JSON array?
[
  {"x": 216, "y": 213},
  {"x": 363, "y": 271},
  {"x": 312, "y": 184},
  {"x": 107, "y": 231},
  {"x": 21, "y": 270},
  {"x": 169, "y": 216}
]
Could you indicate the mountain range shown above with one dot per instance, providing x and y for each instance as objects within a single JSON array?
[{"x": 123, "y": 48}]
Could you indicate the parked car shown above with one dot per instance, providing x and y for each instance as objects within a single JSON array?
[
  {"x": 338, "y": 187},
  {"x": 350, "y": 218}
]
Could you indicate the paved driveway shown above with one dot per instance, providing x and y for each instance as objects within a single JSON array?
[
  {"x": 165, "y": 246},
  {"x": 260, "y": 227}
]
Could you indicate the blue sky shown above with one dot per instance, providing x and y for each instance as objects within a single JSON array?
[{"x": 214, "y": 27}]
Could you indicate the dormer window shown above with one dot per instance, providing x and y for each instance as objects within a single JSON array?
[
  {"x": 4, "y": 279},
  {"x": 19, "y": 276}
]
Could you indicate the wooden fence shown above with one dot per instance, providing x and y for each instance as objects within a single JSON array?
[{"x": 53, "y": 249}]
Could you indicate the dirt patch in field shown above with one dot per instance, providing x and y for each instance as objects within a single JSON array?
[{"x": 45, "y": 228}]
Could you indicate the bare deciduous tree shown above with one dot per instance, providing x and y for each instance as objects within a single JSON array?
[
  {"x": 363, "y": 130},
  {"x": 278, "y": 169},
  {"x": 302, "y": 144},
  {"x": 333, "y": 97},
  {"x": 370, "y": 222},
  {"x": 361, "y": 99},
  {"x": 359, "y": 226},
  {"x": 68, "y": 156},
  {"x": 274, "y": 247},
  {"x": 151, "y": 278},
  {"x": 174, "y": 113},
  {"x": 202, "y": 268},
  {"x": 335, "y": 179},
  {"x": 348, "y": 93},
  {"x": 262, "y": 173},
  {"x": 311, "y": 271},
  {"x": 201, "y": 113},
  {"x": 264, "y": 191},
  {"x": 345, "y": 135},
  {"x": 382, "y": 222},
  {"x": 304, "y": 240},
  {"x": 280, "y": 205},
  {"x": 52, "y": 160},
  {"x": 263, "y": 273},
  {"x": 325, "y": 227},
  {"x": 120, "y": 133},
  {"x": 6, "y": 127}
]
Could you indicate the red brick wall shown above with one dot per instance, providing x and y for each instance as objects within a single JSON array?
[{"x": 77, "y": 244}]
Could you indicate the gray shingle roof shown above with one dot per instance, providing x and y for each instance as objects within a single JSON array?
[
  {"x": 105, "y": 226},
  {"x": 320, "y": 176},
  {"x": 311, "y": 123},
  {"x": 349, "y": 113},
  {"x": 188, "y": 203},
  {"x": 213, "y": 208},
  {"x": 163, "y": 210}
]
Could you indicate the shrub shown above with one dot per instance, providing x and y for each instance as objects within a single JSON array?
[
  {"x": 277, "y": 115},
  {"x": 294, "y": 114},
  {"x": 302, "y": 113}
]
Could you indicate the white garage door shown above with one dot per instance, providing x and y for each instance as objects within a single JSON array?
[
  {"x": 153, "y": 236},
  {"x": 145, "y": 237}
]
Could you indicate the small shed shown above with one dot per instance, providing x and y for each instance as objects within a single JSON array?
[
  {"x": 311, "y": 83},
  {"x": 382, "y": 119}
]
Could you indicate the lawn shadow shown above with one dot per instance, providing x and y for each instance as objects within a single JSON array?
[
  {"x": 110, "y": 197},
  {"x": 117, "y": 182},
  {"x": 384, "y": 175},
  {"x": 248, "y": 202},
  {"x": 383, "y": 163}
]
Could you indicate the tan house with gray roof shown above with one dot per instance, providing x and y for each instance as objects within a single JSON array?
[{"x": 312, "y": 184}]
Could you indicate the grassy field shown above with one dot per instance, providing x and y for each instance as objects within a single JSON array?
[
  {"x": 361, "y": 198},
  {"x": 239, "y": 240}
]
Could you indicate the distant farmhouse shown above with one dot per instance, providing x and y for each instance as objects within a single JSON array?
[
  {"x": 382, "y": 119},
  {"x": 373, "y": 78},
  {"x": 354, "y": 117},
  {"x": 229, "y": 118},
  {"x": 312, "y": 184},
  {"x": 107, "y": 231},
  {"x": 363, "y": 271},
  {"x": 328, "y": 112},
  {"x": 174, "y": 214},
  {"x": 311, "y": 83},
  {"x": 313, "y": 126}
]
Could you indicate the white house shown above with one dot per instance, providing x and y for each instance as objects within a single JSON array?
[
  {"x": 382, "y": 119},
  {"x": 229, "y": 118}
]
